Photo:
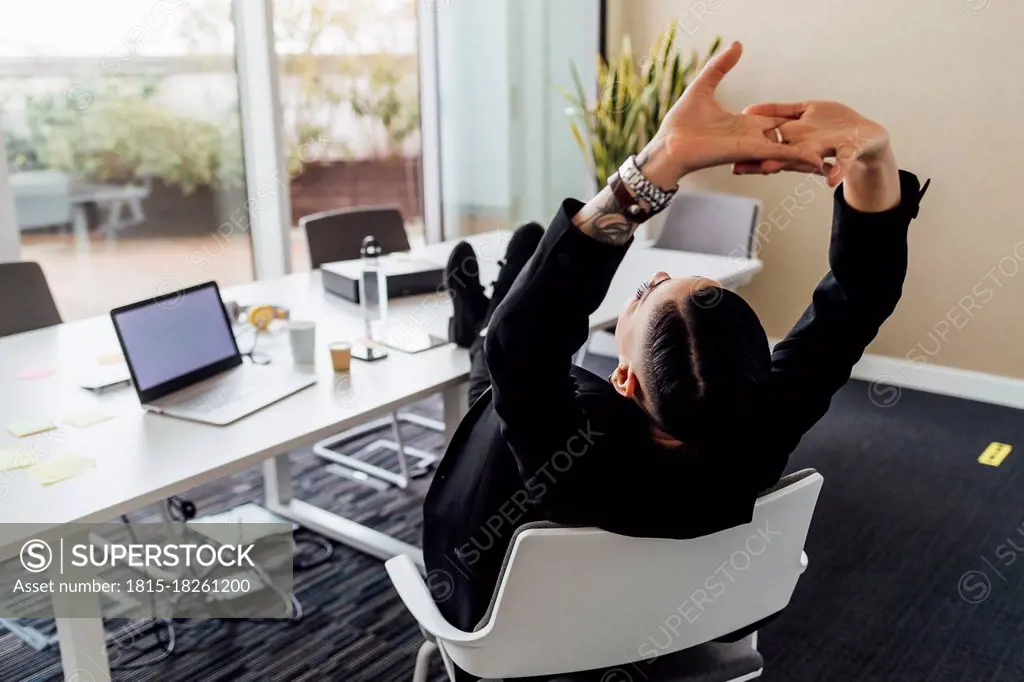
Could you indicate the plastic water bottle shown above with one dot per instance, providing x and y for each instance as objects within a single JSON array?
[{"x": 373, "y": 285}]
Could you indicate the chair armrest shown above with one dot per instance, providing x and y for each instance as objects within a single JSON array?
[{"x": 417, "y": 598}]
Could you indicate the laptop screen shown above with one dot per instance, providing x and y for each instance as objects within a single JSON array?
[{"x": 172, "y": 336}]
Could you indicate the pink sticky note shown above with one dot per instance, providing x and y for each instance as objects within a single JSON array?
[{"x": 38, "y": 373}]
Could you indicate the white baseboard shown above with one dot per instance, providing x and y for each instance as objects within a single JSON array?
[{"x": 959, "y": 383}]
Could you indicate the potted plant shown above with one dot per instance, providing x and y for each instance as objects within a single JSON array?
[{"x": 632, "y": 102}]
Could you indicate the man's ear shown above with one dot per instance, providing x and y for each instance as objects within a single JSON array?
[{"x": 624, "y": 381}]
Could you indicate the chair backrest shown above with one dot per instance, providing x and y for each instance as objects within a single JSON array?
[
  {"x": 25, "y": 299},
  {"x": 338, "y": 234},
  {"x": 707, "y": 222},
  {"x": 571, "y": 599},
  {"x": 41, "y": 198}
]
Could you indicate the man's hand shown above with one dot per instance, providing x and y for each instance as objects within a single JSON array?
[
  {"x": 699, "y": 133},
  {"x": 860, "y": 147}
]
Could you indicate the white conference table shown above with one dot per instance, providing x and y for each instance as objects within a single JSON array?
[{"x": 143, "y": 458}]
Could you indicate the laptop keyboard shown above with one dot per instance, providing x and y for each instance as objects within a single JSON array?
[{"x": 216, "y": 395}]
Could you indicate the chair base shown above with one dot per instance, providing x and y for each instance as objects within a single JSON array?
[
  {"x": 710, "y": 662},
  {"x": 427, "y": 650},
  {"x": 424, "y": 459},
  {"x": 28, "y": 634}
]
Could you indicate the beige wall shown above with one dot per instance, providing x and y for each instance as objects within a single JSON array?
[{"x": 945, "y": 79}]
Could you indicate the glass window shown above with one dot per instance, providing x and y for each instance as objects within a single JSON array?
[
  {"x": 122, "y": 133},
  {"x": 507, "y": 154},
  {"x": 349, "y": 88}
]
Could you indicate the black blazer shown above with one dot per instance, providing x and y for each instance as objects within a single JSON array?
[{"x": 553, "y": 441}]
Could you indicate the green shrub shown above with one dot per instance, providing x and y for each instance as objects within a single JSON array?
[{"x": 124, "y": 137}]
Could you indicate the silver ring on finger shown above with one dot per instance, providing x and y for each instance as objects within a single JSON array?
[{"x": 778, "y": 136}]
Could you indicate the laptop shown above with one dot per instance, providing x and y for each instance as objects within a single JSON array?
[{"x": 185, "y": 362}]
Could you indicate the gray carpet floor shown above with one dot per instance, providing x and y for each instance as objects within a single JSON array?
[{"x": 906, "y": 512}]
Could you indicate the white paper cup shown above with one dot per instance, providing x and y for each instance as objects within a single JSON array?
[{"x": 302, "y": 335}]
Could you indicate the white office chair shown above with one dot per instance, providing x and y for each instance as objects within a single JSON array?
[
  {"x": 582, "y": 599},
  {"x": 708, "y": 222}
]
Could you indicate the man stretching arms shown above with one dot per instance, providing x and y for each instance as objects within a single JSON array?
[{"x": 698, "y": 417}]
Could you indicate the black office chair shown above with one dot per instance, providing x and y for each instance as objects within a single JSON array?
[
  {"x": 335, "y": 236},
  {"x": 26, "y": 303},
  {"x": 338, "y": 234}
]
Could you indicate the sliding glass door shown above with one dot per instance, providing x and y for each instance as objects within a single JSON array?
[
  {"x": 122, "y": 140},
  {"x": 349, "y": 90}
]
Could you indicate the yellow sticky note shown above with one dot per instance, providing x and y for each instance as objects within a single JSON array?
[
  {"x": 16, "y": 459},
  {"x": 29, "y": 428},
  {"x": 60, "y": 467},
  {"x": 87, "y": 418},
  {"x": 995, "y": 453}
]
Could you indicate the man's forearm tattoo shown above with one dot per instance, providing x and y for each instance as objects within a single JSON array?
[{"x": 603, "y": 218}]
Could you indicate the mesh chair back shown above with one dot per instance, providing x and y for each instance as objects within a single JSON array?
[
  {"x": 337, "y": 235},
  {"x": 26, "y": 303}
]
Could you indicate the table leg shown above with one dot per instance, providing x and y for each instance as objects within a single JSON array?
[
  {"x": 80, "y": 227},
  {"x": 83, "y": 649},
  {"x": 82, "y": 641},
  {"x": 277, "y": 480},
  {"x": 138, "y": 216},
  {"x": 277, "y": 486},
  {"x": 114, "y": 218},
  {"x": 456, "y": 405}
]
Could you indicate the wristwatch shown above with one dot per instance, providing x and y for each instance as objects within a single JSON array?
[{"x": 630, "y": 188}]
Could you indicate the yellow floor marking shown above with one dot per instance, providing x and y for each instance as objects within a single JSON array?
[{"x": 995, "y": 453}]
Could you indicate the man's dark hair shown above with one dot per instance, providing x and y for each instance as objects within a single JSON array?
[{"x": 706, "y": 357}]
